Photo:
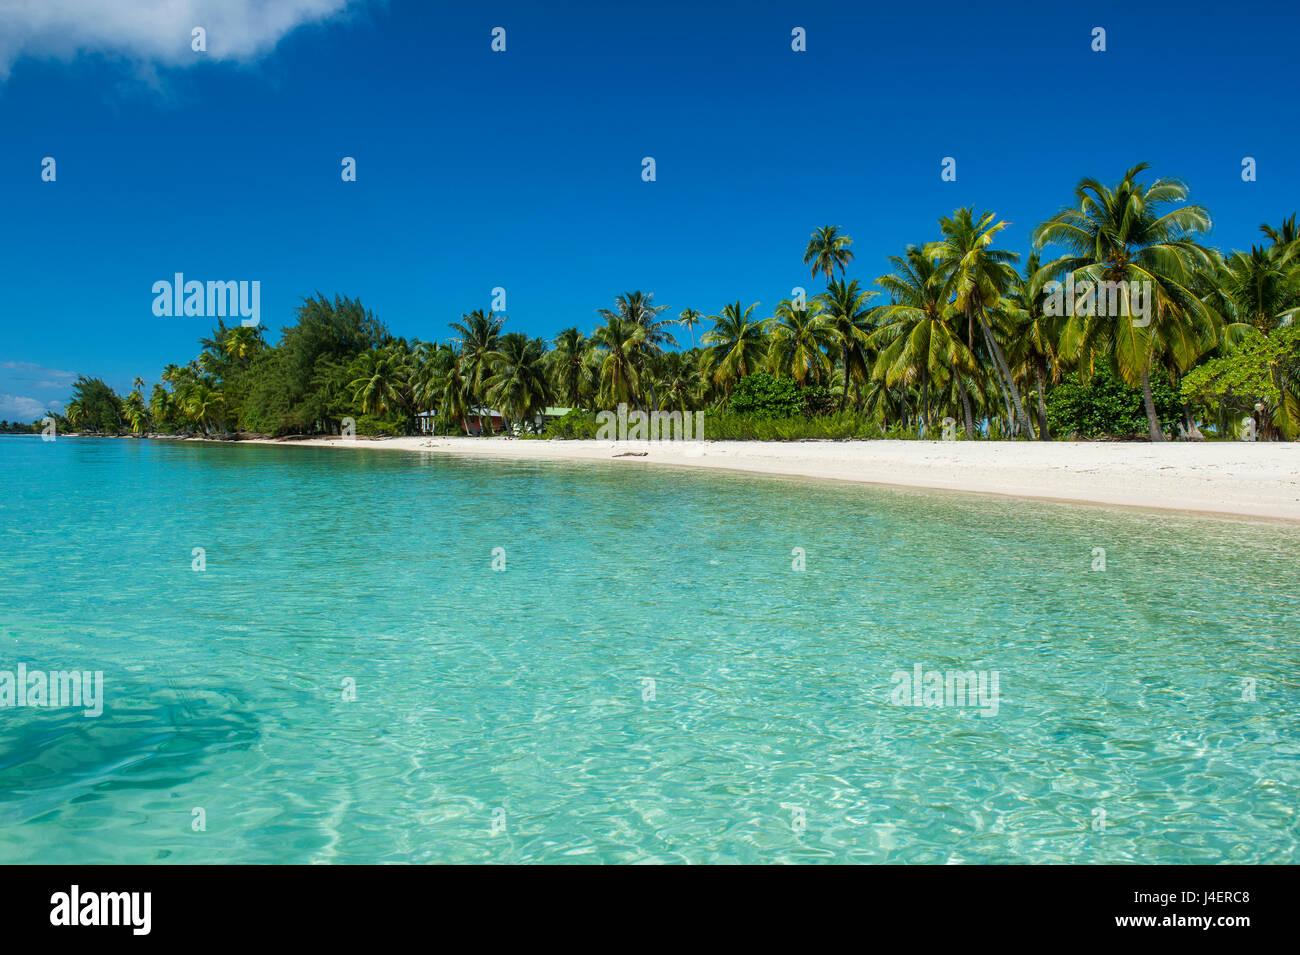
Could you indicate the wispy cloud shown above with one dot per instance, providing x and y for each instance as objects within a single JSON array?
[
  {"x": 30, "y": 371},
  {"x": 22, "y": 408},
  {"x": 152, "y": 32},
  {"x": 28, "y": 390}
]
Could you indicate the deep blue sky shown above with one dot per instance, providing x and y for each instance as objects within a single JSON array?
[{"x": 522, "y": 169}]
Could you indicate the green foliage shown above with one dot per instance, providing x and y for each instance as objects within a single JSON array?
[
  {"x": 95, "y": 407},
  {"x": 375, "y": 426},
  {"x": 1106, "y": 407},
  {"x": 577, "y": 424},
  {"x": 326, "y": 333},
  {"x": 1262, "y": 369},
  {"x": 1245, "y": 375},
  {"x": 818, "y": 400},
  {"x": 269, "y": 406},
  {"x": 766, "y": 396},
  {"x": 962, "y": 334},
  {"x": 839, "y": 426}
]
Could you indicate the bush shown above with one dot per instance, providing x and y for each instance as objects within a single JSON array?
[
  {"x": 819, "y": 401},
  {"x": 577, "y": 424},
  {"x": 1105, "y": 407},
  {"x": 840, "y": 426},
  {"x": 372, "y": 426},
  {"x": 766, "y": 396}
]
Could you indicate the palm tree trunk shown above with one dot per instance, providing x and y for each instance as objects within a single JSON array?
[
  {"x": 844, "y": 357},
  {"x": 1006, "y": 407},
  {"x": 925, "y": 395},
  {"x": 965, "y": 406},
  {"x": 1153, "y": 422},
  {"x": 1042, "y": 403},
  {"x": 1004, "y": 372}
]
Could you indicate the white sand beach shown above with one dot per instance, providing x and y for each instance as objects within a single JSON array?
[{"x": 1241, "y": 478}]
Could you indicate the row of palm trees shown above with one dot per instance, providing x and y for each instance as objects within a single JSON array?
[{"x": 957, "y": 327}]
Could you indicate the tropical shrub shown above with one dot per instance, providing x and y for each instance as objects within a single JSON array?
[
  {"x": 1104, "y": 406},
  {"x": 839, "y": 426},
  {"x": 375, "y": 426},
  {"x": 1261, "y": 370},
  {"x": 818, "y": 400},
  {"x": 766, "y": 396},
  {"x": 577, "y": 424}
]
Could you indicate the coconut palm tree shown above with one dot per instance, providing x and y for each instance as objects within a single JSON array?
[
  {"x": 849, "y": 319},
  {"x": 1136, "y": 232},
  {"x": 478, "y": 334},
  {"x": 917, "y": 338},
  {"x": 801, "y": 336},
  {"x": 680, "y": 380},
  {"x": 619, "y": 341},
  {"x": 160, "y": 405},
  {"x": 137, "y": 414},
  {"x": 75, "y": 413},
  {"x": 379, "y": 378},
  {"x": 1286, "y": 234},
  {"x": 443, "y": 383},
  {"x": 827, "y": 251},
  {"x": 975, "y": 275},
  {"x": 1260, "y": 288},
  {"x": 688, "y": 318},
  {"x": 1033, "y": 334},
  {"x": 203, "y": 404},
  {"x": 735, "y": 345},
  {"x": 573, "y": 372},
  {"x": 639, "y": 307},
  {"x": 517, "y": 381},
  {"x": 242, "y": 342}
]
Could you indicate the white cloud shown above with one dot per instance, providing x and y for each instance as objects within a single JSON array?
[
  {"x": 151, "y": 32},
  {"x": 19, "y": 408}
]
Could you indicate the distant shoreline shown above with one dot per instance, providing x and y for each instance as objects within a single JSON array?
[{"x": 1238, "y": 479}]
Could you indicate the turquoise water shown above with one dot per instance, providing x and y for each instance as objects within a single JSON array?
[{"x": 500, "y": 716}]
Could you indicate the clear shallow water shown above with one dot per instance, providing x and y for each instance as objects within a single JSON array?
[{"x": 522, "y": 690}]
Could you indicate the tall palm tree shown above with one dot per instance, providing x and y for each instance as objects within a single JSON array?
[
  {"x": 573, "y": 372},
  {"x": 640, "y": 307},
  {"x": 160, "y": 404},
  {"x": 680, "y": 380},
  {"x": 203, "y": 404},
  {"x": 917, "y": 338},
  {"x": 1035, "y": 335},
  {"x": 735, "y": 344},
  {"x": 444, "y": 383},
  {"x": 1137, "y": 232},
  {"x": 827, "y": 251},
  {"x": 1260, "y": 287},
  {"x": 75, "y": 413},
  {"x": 137, "y": 413},
  {"x": 975, "y": 275},
  {"x": 517, "y": 381},
  {"x": 688, "y": 318},
  {"x": 800, "y": 339},
  {"x": 378, "y": 382},
  {"x": 619, "y": 341},
  {"x": 478, "y": 334},
  {"x": 1284, "y": 235},
  {"x": 242, "y": 342},
  {"x": 849, "y": 318}
]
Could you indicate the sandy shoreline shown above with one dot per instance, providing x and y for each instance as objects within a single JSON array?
[{"x": 1243, "y": 479}]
